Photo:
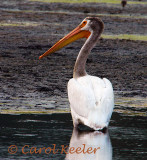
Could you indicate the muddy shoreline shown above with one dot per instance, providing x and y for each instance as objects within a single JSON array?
[{"x": 27, "y": 30}]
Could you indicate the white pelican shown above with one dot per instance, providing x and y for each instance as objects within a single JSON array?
[{"x": 91, "y": 98}]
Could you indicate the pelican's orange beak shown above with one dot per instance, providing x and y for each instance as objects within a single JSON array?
[{"x": 74, "y": 35}]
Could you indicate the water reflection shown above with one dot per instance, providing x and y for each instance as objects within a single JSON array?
[{"x": 88, "y": 145}]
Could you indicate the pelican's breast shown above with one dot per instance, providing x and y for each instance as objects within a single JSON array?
[{"x": 81, "y": 95}]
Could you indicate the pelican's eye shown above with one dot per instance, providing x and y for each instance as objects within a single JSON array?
[{"x": 83, "y": 24}]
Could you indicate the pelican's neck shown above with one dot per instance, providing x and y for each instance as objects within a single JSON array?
[{"x": 79, "y": 68}]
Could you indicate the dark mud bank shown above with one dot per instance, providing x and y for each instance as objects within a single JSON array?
[{"x": 26, "y": 32}]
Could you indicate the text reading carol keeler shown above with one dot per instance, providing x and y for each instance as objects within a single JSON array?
[{"x": 64, "y": 149}]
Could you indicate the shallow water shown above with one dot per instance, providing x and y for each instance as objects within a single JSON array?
[
  {"x": 125, "y": 138},
  {"x": 126, "y": 105}
]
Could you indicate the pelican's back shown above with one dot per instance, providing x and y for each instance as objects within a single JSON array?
[{"x": 91, "y": 101}]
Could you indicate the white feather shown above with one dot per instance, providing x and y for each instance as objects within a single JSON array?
[{"x": 91, "y": 101}]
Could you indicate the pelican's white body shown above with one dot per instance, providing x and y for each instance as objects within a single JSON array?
[{"x": 91, "y": 101}]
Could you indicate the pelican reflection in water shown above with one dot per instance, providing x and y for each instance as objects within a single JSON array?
[
  {"x": 90, "y": 140},
  {"x": 91, "y": 98}
]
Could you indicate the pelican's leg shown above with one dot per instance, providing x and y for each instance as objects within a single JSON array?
[
  {"x": 75, "y": 120},
  {"x": 75, "y": 123}
]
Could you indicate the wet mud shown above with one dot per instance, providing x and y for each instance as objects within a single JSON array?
[{"x": 28, "y": 29}]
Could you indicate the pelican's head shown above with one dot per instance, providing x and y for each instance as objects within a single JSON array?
[
  {"x": 84, "y": 30},
  {"x": 93, "y": 24}
]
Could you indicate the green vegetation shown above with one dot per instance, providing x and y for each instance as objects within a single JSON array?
[
  {"x": 18, "y": 24},
  {"x": 123, "y": 16},
  {"x": 32, "y": 112},
  {"x": 90, "y": 1},
  {"x": 126, "y": 36}
]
